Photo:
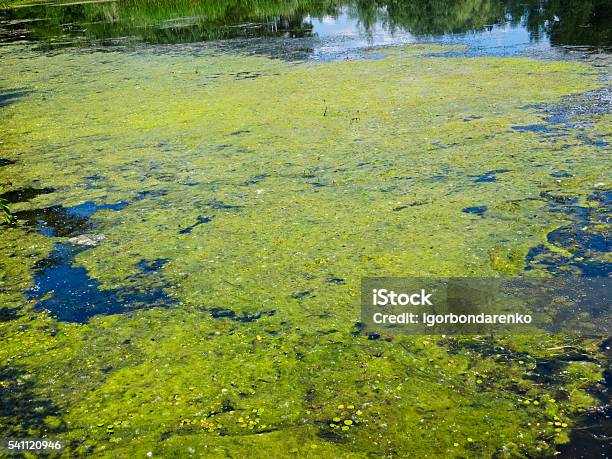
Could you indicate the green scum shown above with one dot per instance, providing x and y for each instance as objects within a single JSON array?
[{"x": 270, "y": 197}]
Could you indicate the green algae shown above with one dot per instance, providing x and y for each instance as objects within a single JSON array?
[{"x": 309, "y": 172}]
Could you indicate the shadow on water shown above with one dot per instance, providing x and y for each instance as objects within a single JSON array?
[
  {"x": 22, "y": 411},
  {"x": 24, "y": 194},
  {"x": 53, "y": 221}
]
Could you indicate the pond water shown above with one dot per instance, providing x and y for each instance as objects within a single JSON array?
[
  {"x": 314, "y": 28},
  {"x": 199, "y": 187}
]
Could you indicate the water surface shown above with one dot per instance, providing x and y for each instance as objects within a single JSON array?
[{"x": 320, "y": 29}]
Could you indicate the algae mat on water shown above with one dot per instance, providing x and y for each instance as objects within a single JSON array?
[{"x": 252, "y": 195}]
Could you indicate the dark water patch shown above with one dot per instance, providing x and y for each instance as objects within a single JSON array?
[
  {"x": 327, "y": 434},
  {"x": 240, "y": 132},
  {"x": 559, "y": 198},
  {"x": 551, "y": 371},
  {"x": 7, "y": 314},
  {"x": 414, "y": 203},
  {"x": 538, "y": 128},
  {"x": 584, "y": 240},
  {"x": 220, "y": 205},
  {"x": 58, "y": 221},
  {"x": 578, "y": 239},
  {"x": 444, "y": 174},
  {"x": 53, "y": 221},
  {"x": 24, "y": 194},
  {"x": 595, "y": 268},
  {"x": 441, "y": 146},
  {"x": 594, "y": 143},
  {"x": 74, "y": 297},
  {"x": 22, "y": 409},
  {"x": 6, "y": 162},
  {"x": 375, "y": 57},
  {"x": 67, "y": 291},
  {"x": 604, "y": 198},
  {"x": 358, "y": 328},
  {"x": 92, "y": 182},
  {"x": 255, "y": 179},
  {"x": 591, "y": 438},
  {"x": 486, "y": 347},
  {"x": 576, "y": 212},
  {"x": 69, "y": 294},
  {"x": 597, "y": 102},
  {"x": 336, "y": 280},
  {"x": 149, "y": 266},
  {"x": 542, "y": 257},
  {"x": 151, "y": 194},
  {"x": 574, "y": 113},
  {"x": 490, "y": 175},
  {"x": 9, "y": 97},
  {"x": 475, "y": 210},
  {"x": 246, "y": 75},
  {"x": 88, "y": 208},
  {"x": 591, "y": 435},
  {"x": 220, "y": 313},
  {"x": 199, "y": 221},
  {"x": 560, "y": 174},
  {"x": 300, "y": 295},
  {"x": 468, "y": 119}
]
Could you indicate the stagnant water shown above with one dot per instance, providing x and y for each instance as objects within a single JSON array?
[{"x": 198, "y": 188}]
